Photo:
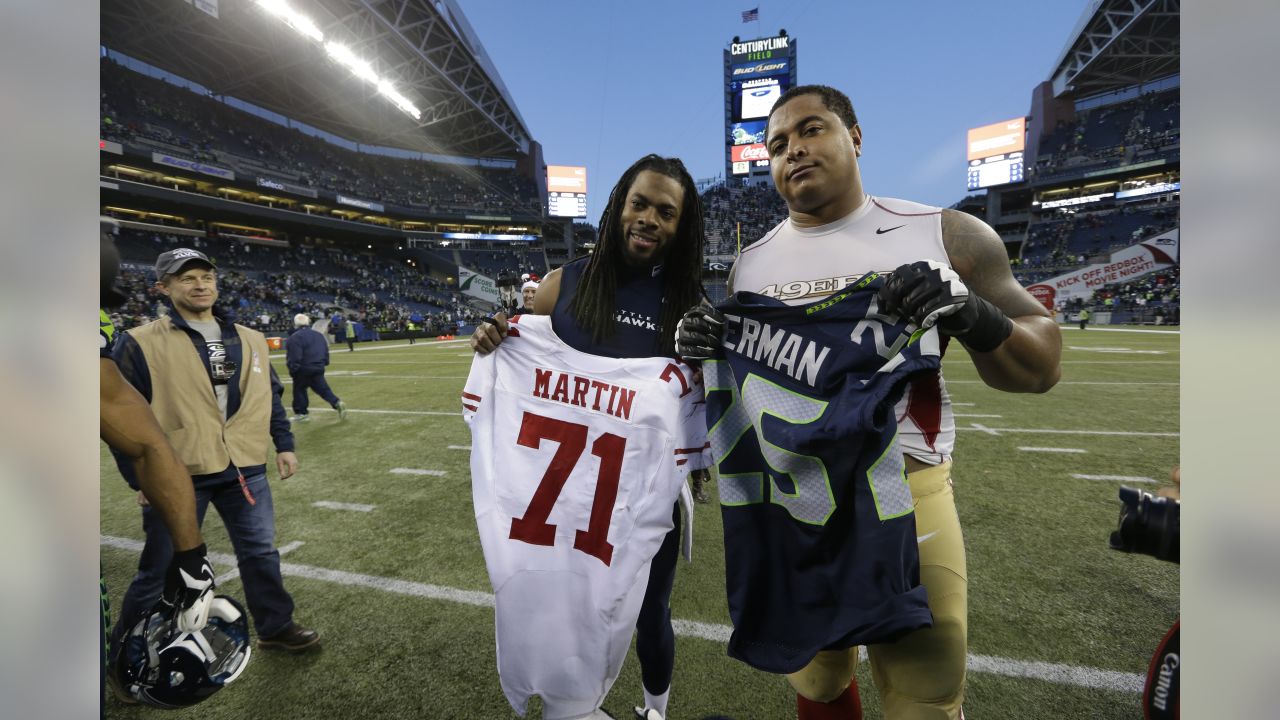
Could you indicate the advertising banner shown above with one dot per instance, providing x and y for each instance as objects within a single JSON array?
[
  {"x": 274, "y": 184},
  {"x": 357, "y": 202},
  {"x": 1134, "y": 261},
  {"x": 754, "y": 70},
  {"x": 166, "y": 159},
  {"x": 477, "y": 286},
  {"x": 747, "y": 153}
]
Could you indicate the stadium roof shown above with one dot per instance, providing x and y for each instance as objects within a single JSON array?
[
  {"x": 1117, "y": 44},
  {"x": 425, "y": 47}
]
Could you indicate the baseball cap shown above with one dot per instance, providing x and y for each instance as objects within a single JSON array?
[
  {"x": 529, "y": 285},
  {"x": 172, "y": 261}
]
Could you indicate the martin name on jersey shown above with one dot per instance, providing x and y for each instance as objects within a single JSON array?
[
  {"x": 819, "y": 531},
  {"x": 576, "y": 461}
]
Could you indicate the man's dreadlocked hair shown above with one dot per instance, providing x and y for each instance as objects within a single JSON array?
[{"x": 593, "y": 303}]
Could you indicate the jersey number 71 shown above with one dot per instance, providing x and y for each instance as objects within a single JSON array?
[{"x": 533, "y": 527}]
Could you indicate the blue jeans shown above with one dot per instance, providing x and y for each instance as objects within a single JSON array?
[{"x": 252, "y": 528}]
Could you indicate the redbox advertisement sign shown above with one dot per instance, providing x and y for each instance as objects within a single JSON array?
[
  {"x": 1044, "y": 293},
  {"x": 748, "y": 153}
]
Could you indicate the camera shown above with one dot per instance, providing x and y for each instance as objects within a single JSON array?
[{"x": 1148, "y": 525}]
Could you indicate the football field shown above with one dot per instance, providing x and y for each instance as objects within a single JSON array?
[{"x": 381, "y": 553}]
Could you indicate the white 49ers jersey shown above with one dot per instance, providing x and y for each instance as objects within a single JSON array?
[
  {"x": 800, "y": 265},
  {"x": 576, "y": 461}
]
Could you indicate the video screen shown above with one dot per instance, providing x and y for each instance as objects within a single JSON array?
[
  {"x": 566, "y": 191},
  {"x": 746, "y": 133},
  {"x": 1002, "y": 138},
  {"x": 754, "y": 99}
]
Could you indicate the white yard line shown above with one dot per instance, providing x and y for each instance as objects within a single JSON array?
[
  {"x": 459, "y": 447},
  {"x": 417, "y": 471},
  {"x": 1051, "y": 450},
  {"x": 956, "y": 404},
  {"x": 1114, "y": 478},
  {"x": 1047, "y": 431},
  {"x": 357, "y": 507},
  {"x": 220, "y": 558},
  {"x": 1119, "y": 362},
  {"x": 973, "y": 427},
  {"x": 334, "y": 349},
  {"x": 393, "y": 412},
  {"x": 1122, "y": 330},
  {"x": 968, "y": 415},
  {"x": 1072, "y": 382},
  {"x": 379, "y": 376},
  {"x": 1048, "y": 672}
]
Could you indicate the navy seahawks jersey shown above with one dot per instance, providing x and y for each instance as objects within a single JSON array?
[
  {"x": 638, "y": 303},
  {"x": 819, "y": 530}
]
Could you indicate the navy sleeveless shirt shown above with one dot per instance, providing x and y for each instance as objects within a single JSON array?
[{"x": 637, "y": 313}]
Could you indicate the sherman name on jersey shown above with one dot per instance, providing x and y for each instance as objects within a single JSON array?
[
  {"x": 820, "y": 545},
  {"x": 576, "y": 461}
]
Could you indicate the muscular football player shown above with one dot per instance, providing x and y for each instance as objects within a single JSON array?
[
  {"x": 129, "y": 427},
  {"x": 625, "y": 301},
  {"x": 949, "y": 269}
]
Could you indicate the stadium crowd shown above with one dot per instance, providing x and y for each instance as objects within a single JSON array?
[
  {"x": 1119, "y": 133},
  {"x": 268, "y": 285},
  {"x": 141, "y": 109}
]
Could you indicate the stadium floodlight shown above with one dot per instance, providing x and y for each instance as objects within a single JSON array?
[
  {"x": 341, "y": 54},
  {"x": 293, "y": 18},
  {"x": 389, "y": 92},
  {"x": 348, "y": 59}
]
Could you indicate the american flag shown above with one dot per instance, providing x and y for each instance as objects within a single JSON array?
[{"x": 751, "y": 15}]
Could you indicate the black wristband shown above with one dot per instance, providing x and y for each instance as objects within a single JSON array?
[
  {"x": 991, "y": 327},
  {"x": 199, "y": 551}
]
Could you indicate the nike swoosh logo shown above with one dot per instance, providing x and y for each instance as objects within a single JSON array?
[
  {"x": 922, "y": 538},
  {"x": 881, "y": 231}
]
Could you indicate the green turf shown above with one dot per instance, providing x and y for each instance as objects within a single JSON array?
[{"x": 1043, "y": 585}]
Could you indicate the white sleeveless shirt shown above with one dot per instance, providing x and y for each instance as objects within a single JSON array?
[{"x": 800, "y": 265}]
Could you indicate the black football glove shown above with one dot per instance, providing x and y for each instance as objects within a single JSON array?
[
  {"x": 699, "y": 332},
  {"x": 928, "y": 294},
  {"x": 188, "y": 587}
]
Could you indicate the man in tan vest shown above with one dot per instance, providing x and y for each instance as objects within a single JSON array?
[{"x": 213, "y": 390}]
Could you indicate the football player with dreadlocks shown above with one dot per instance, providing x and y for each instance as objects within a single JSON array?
[{"x": 624, "y": 301}]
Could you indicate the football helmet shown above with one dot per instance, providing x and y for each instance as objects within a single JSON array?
[{"x": 162, "y": 666}]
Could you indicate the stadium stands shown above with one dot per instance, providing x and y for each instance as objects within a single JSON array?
[
  {"x": 168, "y": 118},
  {"x": 1144, "y": 128},
  {"x": 265, "y": 286}
]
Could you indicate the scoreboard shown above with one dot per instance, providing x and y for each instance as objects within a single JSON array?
[
  {"x": 756, "y": 73},
  {"x": 566, "y": 191},
  {"x": 995, "y": 154}
]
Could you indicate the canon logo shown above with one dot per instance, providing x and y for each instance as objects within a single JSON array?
[{"x": 1161, "y": 701}]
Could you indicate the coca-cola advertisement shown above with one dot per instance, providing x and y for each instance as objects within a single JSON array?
[{"x": 747, "y": 153}]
